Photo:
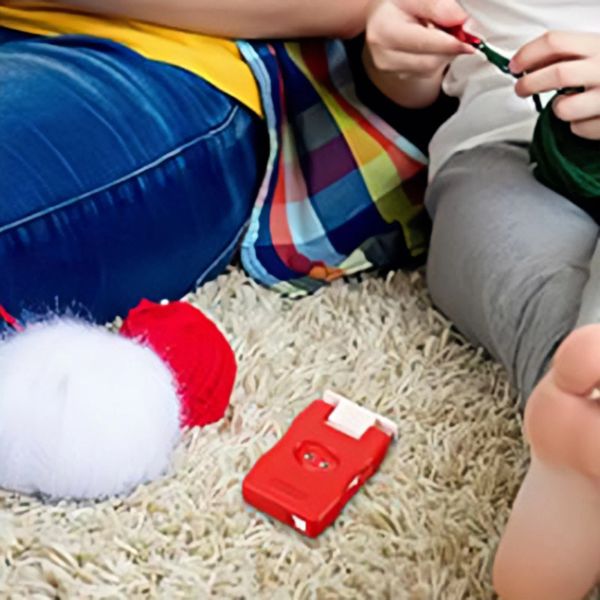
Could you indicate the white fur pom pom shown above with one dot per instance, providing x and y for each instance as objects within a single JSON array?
[{"x": 84, "y": 413}]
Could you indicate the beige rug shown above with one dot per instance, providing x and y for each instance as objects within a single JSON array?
[{"x": 424, "y": 528}]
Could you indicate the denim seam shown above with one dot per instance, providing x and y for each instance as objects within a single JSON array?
[
  {"x": 140, "y": 171},
  {"x": 229, "y": 249}
]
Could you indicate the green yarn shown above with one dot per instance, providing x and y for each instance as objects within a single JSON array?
[{"x": 565, "y": 162}]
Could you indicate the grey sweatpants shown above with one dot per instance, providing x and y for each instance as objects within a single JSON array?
[{"x": 510, "y": 260}]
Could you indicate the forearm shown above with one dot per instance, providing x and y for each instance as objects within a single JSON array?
[
  {"x": 242, "y": 18},
  {"x": 408, "y": 92}
]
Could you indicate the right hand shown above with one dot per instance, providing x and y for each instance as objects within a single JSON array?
[{"x": 404, "y": 37}]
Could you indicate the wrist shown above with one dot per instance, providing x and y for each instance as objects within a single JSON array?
[
  {"x": 356, "y": 20},
  {"x": 409, "y": 91}
]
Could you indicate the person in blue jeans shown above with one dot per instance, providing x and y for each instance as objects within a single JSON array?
[
  {"x": 129, "y": 162},
  {"x": 120, "y": 177}
]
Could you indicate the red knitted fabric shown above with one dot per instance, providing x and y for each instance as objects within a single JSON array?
[{"x": 199, "y": 355}]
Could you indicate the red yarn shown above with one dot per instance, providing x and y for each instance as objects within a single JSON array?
[
  {"x": 199, "y": 355},
  {"x": 6, "y": 316}
]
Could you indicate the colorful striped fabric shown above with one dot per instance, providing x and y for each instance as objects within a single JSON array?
[{"x": 335, "y": 199}]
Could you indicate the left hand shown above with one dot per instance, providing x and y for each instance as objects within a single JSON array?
[{"x": 559, "y": 60}]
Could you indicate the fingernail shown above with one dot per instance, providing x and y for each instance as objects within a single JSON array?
[{"x": 514, "y": 69}]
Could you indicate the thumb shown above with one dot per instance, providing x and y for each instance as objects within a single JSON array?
[{"x": 446, "y": 13}]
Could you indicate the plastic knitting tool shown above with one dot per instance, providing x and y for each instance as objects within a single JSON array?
[
  {"x": 495, "y": 58},
  {"x": 330, "y": 450},
  {"x": 499, "y": 61}
]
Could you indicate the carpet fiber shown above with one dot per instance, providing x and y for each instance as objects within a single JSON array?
[{"x": 424, "y": 527}]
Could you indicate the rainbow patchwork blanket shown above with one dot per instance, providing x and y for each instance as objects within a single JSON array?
[{"x": 335, "y": 199}]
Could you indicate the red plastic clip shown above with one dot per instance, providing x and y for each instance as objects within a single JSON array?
[
  {"x": 326, "y": 456},
  {"x": 461, "y": 35}
]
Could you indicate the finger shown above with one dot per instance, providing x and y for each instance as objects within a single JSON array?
[
  {"x": 552, "y": 47},
  {"x": 445, "y": 13},
  {"x": 578, "y": 107},
  {"x": 410, "y": 64},
  {"x": 415, "y": 38},
  {"x": 574, "y": 73},
  {"x": 589, "y": 129}
]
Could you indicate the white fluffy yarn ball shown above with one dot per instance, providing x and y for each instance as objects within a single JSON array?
[{"x": 84, "y": 413}]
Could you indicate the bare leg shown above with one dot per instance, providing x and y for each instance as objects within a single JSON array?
[
  {"x": 510, "y": 265},
  {"x": 551, "y": 546}
]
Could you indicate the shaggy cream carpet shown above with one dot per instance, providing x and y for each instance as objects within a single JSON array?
[{"x": 424, "y": 528}]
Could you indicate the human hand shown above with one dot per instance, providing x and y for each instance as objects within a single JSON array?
[
  {"x": 561, "y": 60},
  {"x": 402, "y": 37},
  {"x": 405, "y": 55}
]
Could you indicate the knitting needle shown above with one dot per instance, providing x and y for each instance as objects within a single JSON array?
[{"x": 495, "y": 58}]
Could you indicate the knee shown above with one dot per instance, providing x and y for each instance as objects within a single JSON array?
[
  {"x": 450, "y": 259},
  {"x": 457, "y": 241}
]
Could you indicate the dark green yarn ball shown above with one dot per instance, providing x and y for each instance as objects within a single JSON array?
[{"x": 565, "y": 162}]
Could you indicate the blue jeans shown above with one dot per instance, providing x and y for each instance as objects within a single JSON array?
[{"x": 120, "y": 177}]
